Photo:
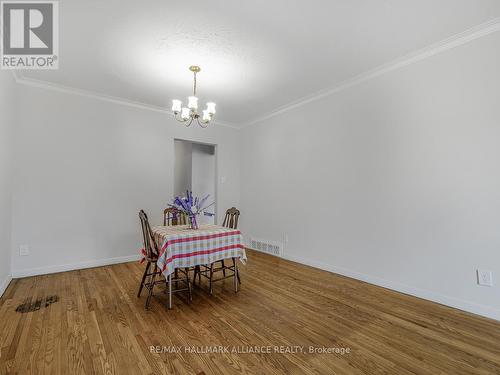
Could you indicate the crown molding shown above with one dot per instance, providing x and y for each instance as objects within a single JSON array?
[
  {"x": 459, "y": 39},
  {"x": 20, "y": 79},
  {"x": 464, "y": 37}
]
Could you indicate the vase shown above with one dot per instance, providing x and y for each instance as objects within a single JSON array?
[{"x": 193, "y": 224}]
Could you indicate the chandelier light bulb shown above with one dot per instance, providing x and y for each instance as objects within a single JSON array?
[
  {"x": 193, "y": 102},
  {"x": 211, "y": 108},
  {"x": 206, "y": 115},
  {"x": 176, "y": 106},
  {"x": 185, "y": 113}
]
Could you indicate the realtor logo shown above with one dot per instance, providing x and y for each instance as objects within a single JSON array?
[{"x": 30, "y": 35}]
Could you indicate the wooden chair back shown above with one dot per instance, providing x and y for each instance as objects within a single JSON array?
[
  {"x": 172, "y": 216},
  {"x": 231, "y": 218},
  {"x": 147, "y": 236}
]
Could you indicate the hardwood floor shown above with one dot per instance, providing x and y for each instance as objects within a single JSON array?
[{"x": 94, "y": 323}]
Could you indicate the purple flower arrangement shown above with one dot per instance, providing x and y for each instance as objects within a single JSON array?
[{"x": 192, "y": 207}]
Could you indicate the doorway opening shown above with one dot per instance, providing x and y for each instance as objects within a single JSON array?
[{"x": 195, "y": 170}]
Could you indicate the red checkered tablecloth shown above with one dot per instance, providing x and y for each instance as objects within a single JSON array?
[{"x": 182, "y": 247}]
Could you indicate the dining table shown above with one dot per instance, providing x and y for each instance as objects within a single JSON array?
[{"x": 181, "y": 246}]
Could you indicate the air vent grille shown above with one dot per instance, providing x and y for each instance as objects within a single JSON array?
[{"x": 269, "y": 247}]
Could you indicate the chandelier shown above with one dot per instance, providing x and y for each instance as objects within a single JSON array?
[{"x": 188, "y": 114}]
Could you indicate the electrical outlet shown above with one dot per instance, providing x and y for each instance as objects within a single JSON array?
[
  {"x": 484, "y": 278},
  {"x": 24, "y": 250}
]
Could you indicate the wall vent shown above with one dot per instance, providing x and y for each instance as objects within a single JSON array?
[{"x": 266, "y": 246}]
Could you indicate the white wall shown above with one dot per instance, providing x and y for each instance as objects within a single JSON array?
[
  {"x": 203, "y": 176},
  {"x": 85, "y": 167},
  {"x": 183, "y": 167},
  {"x": 7, "y": 117},
  {"x": 395, "y": 181}
]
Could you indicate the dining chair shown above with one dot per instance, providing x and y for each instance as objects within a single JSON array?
[
  {"x": 151, "y": 253},
  {"x": 172, "y": 216},
  {"x": 230, "y": 221},
  {"x": 231, "y": 218}
]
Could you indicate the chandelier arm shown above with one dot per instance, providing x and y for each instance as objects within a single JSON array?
[
  {"x": 203, "y": 124},
  {"x": 189, "y": 123},
  {"x": 206, "y": 121}
]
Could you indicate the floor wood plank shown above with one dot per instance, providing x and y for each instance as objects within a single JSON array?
[{"x": 98, "y": 326}]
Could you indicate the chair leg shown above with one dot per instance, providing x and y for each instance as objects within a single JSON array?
[
  {"x": 189, "y": 285},
  {"x": 143, "y": 279},
  {"x": 211, "y": 290},
  {"x": 238, "y": 273},
  {"x": 196, "y": 270},
  {"x": 151, "y": 287},
  {"x": 235, "y": 277},
  {"x": 223, "y": 268}
]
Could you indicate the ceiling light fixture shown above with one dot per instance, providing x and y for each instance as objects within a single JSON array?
[{"x": 188, "y": 114}]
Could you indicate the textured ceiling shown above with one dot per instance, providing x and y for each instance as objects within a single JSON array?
[{"x": 256, "y": 56}]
